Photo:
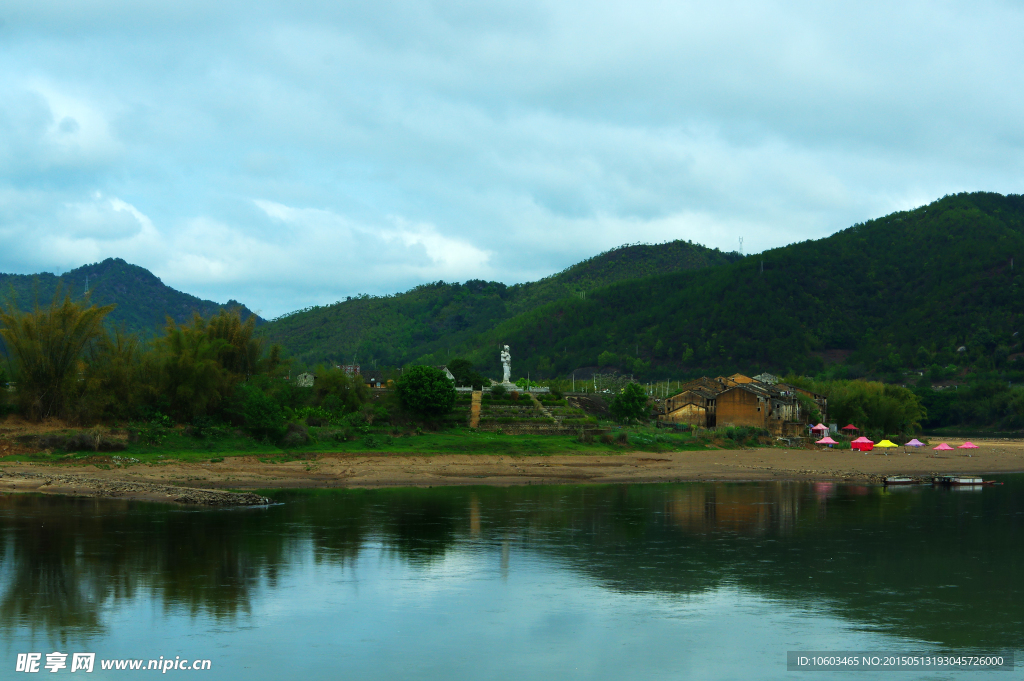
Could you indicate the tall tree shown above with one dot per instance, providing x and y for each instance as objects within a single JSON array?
[{"x": 45, "y": 347}]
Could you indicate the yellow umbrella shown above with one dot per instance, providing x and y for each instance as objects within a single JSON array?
[{"x": 886, "y": 444}]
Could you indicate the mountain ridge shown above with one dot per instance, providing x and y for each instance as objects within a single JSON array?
[
  {"x": 396, "y": 329},
  {"x": 143, "y": 302},
  {"x": 904, "y": 291}
]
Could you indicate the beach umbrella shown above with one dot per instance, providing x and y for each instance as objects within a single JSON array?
[
  {"x": 886, "y": 444},
  {"x": 850, "y": 426},
  {"x": 943, "y": 448},
  {"x": 863, "y": 444},
  {"x": 913, "y": 443},
  {"x": 968, "y": 445},
  {"x": 820, "y": 426},
  {"x": 826, "y": 441}
]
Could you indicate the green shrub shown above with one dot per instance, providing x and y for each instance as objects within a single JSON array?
[
  {"x": 375, "y": 441},
  {"x": 425, "y": 391},
  {"x": 264, "y": 418},
  {"x": 631, "y": 404},
  {"x": 296, "y": 436}
]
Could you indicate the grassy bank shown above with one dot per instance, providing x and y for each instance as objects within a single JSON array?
[{"x": 177, "y": 444}]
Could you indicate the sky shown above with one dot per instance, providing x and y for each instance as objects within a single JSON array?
[{"x": 287, "y": 154}]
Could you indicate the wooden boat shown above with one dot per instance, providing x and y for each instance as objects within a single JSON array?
[
  {"x": 900, "y": 480},
  {"x": 961, "y": 480}
]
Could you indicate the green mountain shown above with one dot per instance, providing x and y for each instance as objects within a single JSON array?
[
  {"x": 143, "y": 301},
  {"x": 938, "y": 285},
  {"x": 430, "y": 319}
]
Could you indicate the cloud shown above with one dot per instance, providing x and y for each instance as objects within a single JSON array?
[{"x": 288, "y": 155}]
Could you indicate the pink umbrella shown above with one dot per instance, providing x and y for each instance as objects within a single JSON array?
[
  {"x": 943, "y": 448},
  {"x": 826, "y": 441},
  {"x": 820, "y": 426},
  {"x": 968, "y": 445}
]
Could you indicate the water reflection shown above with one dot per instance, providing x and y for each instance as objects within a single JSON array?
[{"x": 930, "y": 564}]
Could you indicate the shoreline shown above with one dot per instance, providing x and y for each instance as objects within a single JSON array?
[{"x": 210, "y": 484}]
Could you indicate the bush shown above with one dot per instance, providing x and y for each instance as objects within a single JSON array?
[
  {"x": 498, "y": 390},
  {"x": 374, "y": 441},
  {"x": 607, "y": 438},
  {"x": 425, "y": 391},
  {"x": 586, "y": 438},
  {"x": 317, "y": 417},
  {"x": 296, "y": 436},
  {"x": 622, "y": 439},
  {"x": 340, "y": 435},
  {"x": 264, "y": 418},
  {"x": 631, "y": 404},
  {"x": 82, "y": 441}
]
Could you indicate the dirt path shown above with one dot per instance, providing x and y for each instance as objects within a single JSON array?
[{"x": 393, "y": 470}]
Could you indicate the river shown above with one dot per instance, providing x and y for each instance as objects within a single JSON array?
[{"x": 679, "y": 581}]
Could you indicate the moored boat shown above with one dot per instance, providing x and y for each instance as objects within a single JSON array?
[
  {"x": 900, "y": 480},
  {"x": 958, "y": 480}
]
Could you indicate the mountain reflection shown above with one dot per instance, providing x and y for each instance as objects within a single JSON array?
[{"x": 930, "y": 564}]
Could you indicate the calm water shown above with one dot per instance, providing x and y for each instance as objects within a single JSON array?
[{"x": 699, "y": 581}]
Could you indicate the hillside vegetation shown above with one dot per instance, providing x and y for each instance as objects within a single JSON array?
[
  {"x": 905, "y": 291},
  {"x": 143, "y": 302},
  {"x": 432, "y": 318}
]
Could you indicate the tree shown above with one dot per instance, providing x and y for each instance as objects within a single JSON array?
[
  {"x": 465, "y": 374},
  {"x": 112, "y": 377},
  {"x": 337, "y": 392},
  {"x": 46, "y": 347},
  {"x": 426, "y": 391},
  {"x": 630, "y": 404},
  {"x": 188, "y": 371},
  {"x": 264, "y": 417}
]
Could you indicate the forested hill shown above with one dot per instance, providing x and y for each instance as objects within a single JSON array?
[
  {"x": 431, "y": 318},
  {"x": 904, "y": 291},
  {"x": 143, "y": 301}
]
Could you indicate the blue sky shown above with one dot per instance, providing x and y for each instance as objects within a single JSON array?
[{"x": 287, "y": 154}]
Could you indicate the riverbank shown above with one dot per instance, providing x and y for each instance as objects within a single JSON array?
[{"x": 202, "y": 482}]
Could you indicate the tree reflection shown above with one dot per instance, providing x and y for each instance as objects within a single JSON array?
[{"x": 925, "y": 563}]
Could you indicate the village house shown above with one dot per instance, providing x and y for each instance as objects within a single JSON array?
[{"x": 739, "y": 400}]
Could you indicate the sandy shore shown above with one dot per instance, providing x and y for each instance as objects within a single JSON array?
[{"x": 164, "y": 481}]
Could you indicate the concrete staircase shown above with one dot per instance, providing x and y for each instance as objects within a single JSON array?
[
  {"x": 474, "y": 409},
  {"x": 542, "y": 408}
]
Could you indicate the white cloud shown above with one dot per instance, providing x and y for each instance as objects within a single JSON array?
[{"x": 392, "y": 143}]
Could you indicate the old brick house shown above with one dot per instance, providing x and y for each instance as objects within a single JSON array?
[{"x": 739, "y": 400}]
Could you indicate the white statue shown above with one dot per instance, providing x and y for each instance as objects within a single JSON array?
[{"x": 506, "y": 365}]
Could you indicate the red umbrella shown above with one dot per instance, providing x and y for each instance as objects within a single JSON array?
[
  {"x": 850, "y": 427},
  {"x": 863, "y": 444}
]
